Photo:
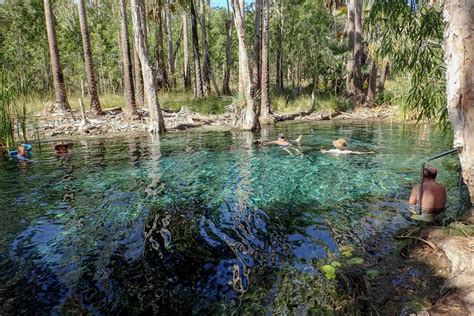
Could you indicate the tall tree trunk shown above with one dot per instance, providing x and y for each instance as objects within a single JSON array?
[
  {"x": 130, "y": 105},
  {"x": 459, "y": 59},
  {"x": 206, "y": 65},
  {"x": 95, "y": 104},
  {"x": 163, "y": 80},
  {"x": 198, "y": 91},
  {"x": 257, "y": 43},
  {"x": 265, "y": 77},
  {"x": 279, "y": 51},
  {"x": 62, "y": 103},
  {"x": 139, "y": 92},
  {"x": 228, "y": 52},
  {"x": 358, "y": 49},
  {"x": 372, "y": 90},
  {"x": 245, "y": 117},
  {"x": 350, "y": 32},
  {"x": 157, "y": 123},
  {"x": 169, "y": 36},
  {"x": 186, "y": 69}
]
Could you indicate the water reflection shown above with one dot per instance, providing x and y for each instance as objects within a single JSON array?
[{"x": 195, "y": 222}]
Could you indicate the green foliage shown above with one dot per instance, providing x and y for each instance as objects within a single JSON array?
[
  {"x": 411, "y": 36},
  {"x": 7, "y": 99}
]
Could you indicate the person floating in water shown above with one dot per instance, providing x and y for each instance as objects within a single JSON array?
[
  {"x": 341, "y": 149},
  {"x": 433, "y": 195},
  {"x": 284, "y": 143},
  {"x": 22, "y": 152},
  {"x": 62, "y": 148}
]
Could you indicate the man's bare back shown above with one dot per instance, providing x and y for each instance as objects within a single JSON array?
[{"x": 433, "y": 198}]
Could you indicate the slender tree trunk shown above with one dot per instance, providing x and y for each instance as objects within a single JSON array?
[
  {"x": 383, "y": 76},
  {"x": 163, "y": 80},
  {"x": 169, "y": 36},
  {"x": 245, "y": 117},
  {"x": 265, "y": 81},
  {"x": 350, "y": 31},
  {"x": 372, "y": 90},
  {"x": 198, "y": 91},
  {"x": 228, "y": 52},
  {"x": 130, "y": 105},
  {"x": 95, "y": 104},
  {"x": 257, "y": 43},
  {"x": 157, "y": 123},
  {"x": 206, "y": 65},
  {"x": 186, "y": 69},
  {"x": 139, "y": 92},
  {"x": 459, "y": 59},
  {"x": 358, "y": 49},
  {"x": 62, "y": 103},
  {"x": 279, "y": 52}
]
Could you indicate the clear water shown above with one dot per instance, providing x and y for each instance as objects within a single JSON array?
[{"x": 198, "y": 221}]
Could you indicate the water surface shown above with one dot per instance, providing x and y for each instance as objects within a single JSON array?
[{"x": 199, "y": 221}]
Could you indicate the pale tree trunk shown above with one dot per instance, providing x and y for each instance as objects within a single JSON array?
[
  {"x": 198, "y": 91},
  {"x": 350, "y": 32},
  {"x": 245, "y": 117},
  {"x": 241, "y": 79},
  {"x": 62, "y": 103},
  {"x": 95, "y": 104},
  {"x": 186, "y": 69},
  {"x": 265, "y": 79},
  {"x": 206, "y": 64},
  {"x": 228, "y": 52},
  {"x": 279, "y": 51},
  {"x": 163, "y": 80},
  {"x": 169, "y": 36},
  {"x": 358, "y": 49},
  {"x": 157, "y": 123},
  {"x": 459, "y": 59},
  {"x": 130, "y": 105},
  {"x": 257, "y": 43},
  {"x": 372, "y": 90}
]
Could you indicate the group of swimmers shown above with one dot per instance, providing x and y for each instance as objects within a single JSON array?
[{"x": 23, "y": 151}]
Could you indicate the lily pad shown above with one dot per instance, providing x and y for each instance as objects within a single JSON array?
[
  {"x": 355, "y": 261},
  {"x": 329, "y": 271}
]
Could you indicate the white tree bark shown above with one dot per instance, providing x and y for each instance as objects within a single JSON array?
[
  {"x": 157, "y": 123},
  {"x": 245, "y": 117},
  {"x": 459, "y": 55}
]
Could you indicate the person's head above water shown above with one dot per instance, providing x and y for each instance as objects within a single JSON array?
[
  {"x": 430, "y": 172},
  {"x": 21, "y": 150},
  {"x": 340, "y": 143},
  {"x": 281, "y": 136},
  {"x": 62, "y": 148}
]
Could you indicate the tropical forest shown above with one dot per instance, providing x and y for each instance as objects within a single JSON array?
[{"x": 236, "y": 157}]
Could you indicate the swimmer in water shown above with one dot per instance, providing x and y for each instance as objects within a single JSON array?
[
  {"x": 284, "y": 143},
  {"x": 22, "y": 153},
  {"x": 341, "y": 149}
]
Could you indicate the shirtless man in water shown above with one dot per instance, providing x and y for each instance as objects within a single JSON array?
[
  {"x": 434, "y": 194},
  {"x": 284, "y": 143}
]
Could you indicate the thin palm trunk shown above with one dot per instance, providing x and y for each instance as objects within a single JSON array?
[
  {"x": 186, "y": 69},
  {"x": 459, "y": 60},
  {"x": 383, "y": 76},
  {"x": 358, "y": 49},
  {"x": 95, "y": 103},
  {"x": 139, "y": 92},
  {"x": 265, "y": 77},
  {"x": 350, "y": 32},
  {"x": 372, "y": 90},
  {"x": 279, "y": 51},
  {"x": 163, "y": 80},
  {"x": 257, "y": 43},
  {"x": 198, "y": 90},
  {"x": 169, "y": 36},
  {"x": 206, "y": 64},
  {"x": 228, "y": 52},
  {"x": 157, "y": 123},
  {"x": 62, "y": 103},
  {"x": 130, "y": 105}
]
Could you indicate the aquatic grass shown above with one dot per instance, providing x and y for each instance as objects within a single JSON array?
[{"x": 7, "y": 102}]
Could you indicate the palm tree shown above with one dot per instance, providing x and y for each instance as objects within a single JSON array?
[
  {"x": 350, "y": 31},
  {"x": 186, "y": 69},
  {"x": 198, "y": 89},
  {"x": 130, "y": 105},
  {"x": 62, "y": 103},
  {"x": 228, "y": 52},
  {"x": 95, "y": 104},
  {"x": 358, "y": 49},
  {"x": 265, "y": 76},
  {"x": 157, "y": 123}
]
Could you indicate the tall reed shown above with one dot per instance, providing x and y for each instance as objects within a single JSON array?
[{"x": 7, "y": 109}]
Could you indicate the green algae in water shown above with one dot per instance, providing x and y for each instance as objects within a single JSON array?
[{"x": 202, "y": 222}]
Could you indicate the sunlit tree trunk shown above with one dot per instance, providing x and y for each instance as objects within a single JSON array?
[
  {"x": 198, "y": 91},
  {"x": 228, "y": 52},
  {"x": 459, "y": 59},
  {"x": 265, "y": 77},
  {"x": 186, "y": 69},
  {"x": 257, "y": 43},
  {"x": 358, "y": 49},
  {"x": 157, "y": 123},
  {"x": 279, "y": 51},
  {"x": 245, "y": 117},
  {"x": 62, "y": 103},
  {"x": 372, "y": 90},
  {"x": 95, "y": 104},
  {"x": 350, "y": 32},
  {"x": 139, "y": 93},
  {"x": 169, "y": 37},
  {"x": 130, "y": 105}
]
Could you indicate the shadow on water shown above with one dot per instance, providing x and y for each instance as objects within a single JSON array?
[{"x": 153, "y": 226}]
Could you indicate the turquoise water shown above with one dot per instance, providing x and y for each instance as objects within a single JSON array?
[{"x": 199, "y": 221}]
